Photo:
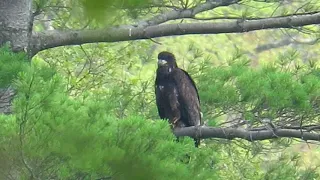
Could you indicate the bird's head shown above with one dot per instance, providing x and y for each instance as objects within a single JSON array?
[{"x": 166, "y": 59}]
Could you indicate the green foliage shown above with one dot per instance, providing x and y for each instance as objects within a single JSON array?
[
  {"x": 83, "y": 136},
  {"x": 269, "y": 91},
  {"x": 100, "y": 9},
  {"x": 239, "y": 163},
  {"x": 125, "y": 82},
  {"x": 52, "y": 134},
  {"x": 285, "y": 165},
  {"x": 127, "y": 76},
  {"x": 40, "y": 3},
  {"x": 10, "y": 65}
]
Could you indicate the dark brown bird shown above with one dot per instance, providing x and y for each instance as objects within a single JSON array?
[{"x": 177, "y": 96}]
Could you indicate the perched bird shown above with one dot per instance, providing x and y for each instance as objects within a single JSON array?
[{"x": 177, "y": 96}]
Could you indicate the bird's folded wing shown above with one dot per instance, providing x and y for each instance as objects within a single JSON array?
[{"x": 188, "y": 97}]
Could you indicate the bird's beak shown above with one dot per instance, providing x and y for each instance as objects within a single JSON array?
[{"x": 162, "y": 62}]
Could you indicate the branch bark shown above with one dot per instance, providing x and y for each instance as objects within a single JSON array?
[
  {"x": 51, "y": 39},
  {"x": 6, "y": 97},
  {"x": 15, "y": 23},
  {"x": 204, "y": 132}
]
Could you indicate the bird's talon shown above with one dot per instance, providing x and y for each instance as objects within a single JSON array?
[{"x": 175, "y": 120}]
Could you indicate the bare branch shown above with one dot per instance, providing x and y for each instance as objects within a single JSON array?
[
  {"x": 50, "y": 39},
  {"x": 245, "y": 18},
  {"x": 185, "y": 13},
  {"x": 204, "y": 132},
  {"x": 285, "y": 42}
]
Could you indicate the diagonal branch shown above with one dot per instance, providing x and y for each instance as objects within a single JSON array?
[
  {"x": 232, "y": 133},
  {"x": 51, "y": 39},
  {"x": 185, "y": 13},
  {"x": 285, "y": 42}
]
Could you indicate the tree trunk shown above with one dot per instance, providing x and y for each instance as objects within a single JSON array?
[{"x": 15, "y": 29}]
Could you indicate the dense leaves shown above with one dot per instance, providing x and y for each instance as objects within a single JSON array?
[
  {"x": 10, "y": 65},
  {"x": 272, "y": 91},
  {"x": 100, "y": 9},
  {"x": 53, "y": 135}
]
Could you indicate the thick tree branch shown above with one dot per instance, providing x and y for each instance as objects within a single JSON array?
[
  {"x": 231, "y": 133},
  {"x": 50, "y": 39}
]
